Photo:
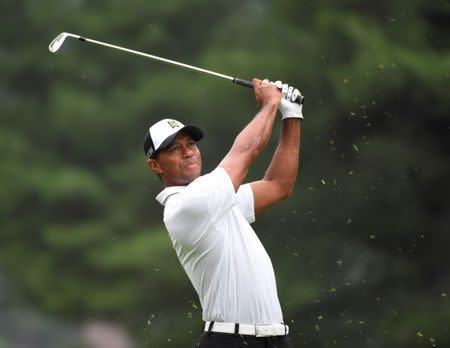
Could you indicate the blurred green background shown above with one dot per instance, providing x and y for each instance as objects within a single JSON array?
[{"x": 361, "y": 249}]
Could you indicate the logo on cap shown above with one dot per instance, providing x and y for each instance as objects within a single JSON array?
[{"x": 173, "y": 123}]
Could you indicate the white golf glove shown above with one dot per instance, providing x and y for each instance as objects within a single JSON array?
[{"x": 288, "y": 107}]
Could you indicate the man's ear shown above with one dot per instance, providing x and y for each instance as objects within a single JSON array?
[{"x": 154, "y": 166}]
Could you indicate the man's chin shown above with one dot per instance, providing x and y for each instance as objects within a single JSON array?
[{"x": 192, "y": 177}]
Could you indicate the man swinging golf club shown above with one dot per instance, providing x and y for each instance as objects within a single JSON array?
[{"x": 208, "y": 218}]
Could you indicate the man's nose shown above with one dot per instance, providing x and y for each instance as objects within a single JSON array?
[{"x": 187, "y": 151}]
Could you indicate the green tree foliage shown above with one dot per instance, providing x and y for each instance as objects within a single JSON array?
[{"x": 360, "y": 249}]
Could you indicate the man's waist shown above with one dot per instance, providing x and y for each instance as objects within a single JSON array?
[{"x": 257, "y": 330}]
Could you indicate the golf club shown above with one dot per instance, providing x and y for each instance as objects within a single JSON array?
[{"x": 56, "y": 44}]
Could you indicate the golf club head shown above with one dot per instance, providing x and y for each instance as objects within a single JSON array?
[{"x": 58, "y": 41}]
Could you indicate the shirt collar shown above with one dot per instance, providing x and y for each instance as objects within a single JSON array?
[{"x": 167, "y": 192}]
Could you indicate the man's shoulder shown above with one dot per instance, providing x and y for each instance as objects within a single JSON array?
[
  {"x": 216, "y": 175},
  {"x": 205, "y": 195}
]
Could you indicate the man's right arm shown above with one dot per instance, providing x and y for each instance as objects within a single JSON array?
[{"x": 255, "y": 136}]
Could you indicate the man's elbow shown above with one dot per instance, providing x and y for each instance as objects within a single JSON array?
[
  {"x": 285, "y": 191},
  {"x": 288, "y": 193}
]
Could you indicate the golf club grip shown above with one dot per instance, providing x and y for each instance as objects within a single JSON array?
[
  {"x": 249, "y": 84},
  {"x": 244, "y": 83}
]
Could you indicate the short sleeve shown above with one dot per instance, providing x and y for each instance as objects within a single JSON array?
[{"x": 246, "y": 202}]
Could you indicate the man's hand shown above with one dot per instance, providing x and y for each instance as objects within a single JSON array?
[
  {"x": 287, "y": 106},
  {"x": 266, "y": 92}
]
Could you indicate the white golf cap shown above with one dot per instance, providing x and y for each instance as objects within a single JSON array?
[{"x": 162, "y": 133}]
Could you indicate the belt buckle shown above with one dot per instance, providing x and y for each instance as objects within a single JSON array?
[{"x": 265, "y": 330}]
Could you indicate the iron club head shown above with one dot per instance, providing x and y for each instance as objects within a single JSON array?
[{"x": 59, "y": 40}]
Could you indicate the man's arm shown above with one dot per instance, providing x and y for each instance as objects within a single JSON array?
[
  {"x": 255, "y": 136},
  {"x": 279, "y": 180}
]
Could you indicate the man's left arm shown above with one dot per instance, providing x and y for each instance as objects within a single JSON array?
[{"x": 279, "y": 179}]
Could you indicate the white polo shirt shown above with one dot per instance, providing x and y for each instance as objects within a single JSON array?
[{"x": 209, "y": 225}]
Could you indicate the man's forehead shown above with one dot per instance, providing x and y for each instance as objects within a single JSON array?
[{"x": 181, "y": 137}]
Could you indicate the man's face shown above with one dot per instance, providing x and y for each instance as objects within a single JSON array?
[{"x": 180, "y": 163}]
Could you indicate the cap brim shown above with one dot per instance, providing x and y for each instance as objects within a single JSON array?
[{"x": 195, "y": 132}]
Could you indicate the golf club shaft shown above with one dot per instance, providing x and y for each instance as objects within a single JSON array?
[
  {"x": 169, "y": 61},
  {"x": 59, "y": 40}
]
